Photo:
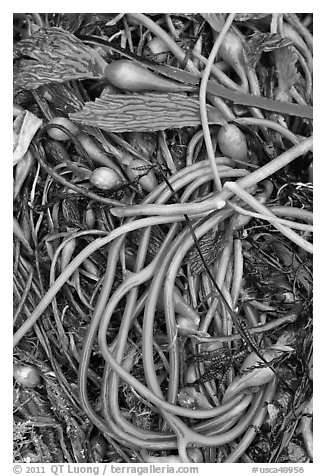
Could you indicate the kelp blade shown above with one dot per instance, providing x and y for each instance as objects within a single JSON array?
[{"x": 144, "y": 112}]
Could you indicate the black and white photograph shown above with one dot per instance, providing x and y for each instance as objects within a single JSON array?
[{"x": 162, "y": 242}]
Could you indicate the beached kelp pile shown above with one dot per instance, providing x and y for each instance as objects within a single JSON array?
[{"x": 163, "y": 237}]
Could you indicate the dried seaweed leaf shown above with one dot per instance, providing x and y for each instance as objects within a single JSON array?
[
  {"x": 216, "y": 20},
  {"x": 210, "y": 244},
  {"x": 144, "y": 112},
  {"x": 285, "y": 61},
  {"x": 250, "y": 16},
  {"x": 55, "y": 56},
  {"x": 263, "y": 42},
  {"x": 25, "y": 127}
]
